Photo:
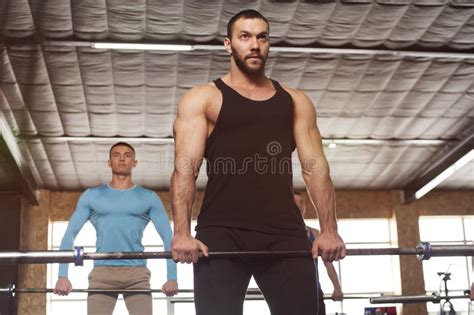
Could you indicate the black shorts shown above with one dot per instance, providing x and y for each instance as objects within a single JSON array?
[{"x": 288, "y": 284}]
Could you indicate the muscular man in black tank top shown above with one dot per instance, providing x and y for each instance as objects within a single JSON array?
[{"x": 246, "y": 126}]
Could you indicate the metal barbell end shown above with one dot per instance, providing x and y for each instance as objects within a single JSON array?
[{"x": 435, "y": 298}]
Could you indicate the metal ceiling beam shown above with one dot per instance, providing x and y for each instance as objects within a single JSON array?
[
  {"x": 27, "y": 183},
  {"x": 296, "y": 49},
  {"x": 326, "y": 141},
  {"x": 431, "y": 175}
]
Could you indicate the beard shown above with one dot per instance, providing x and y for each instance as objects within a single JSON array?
[{"x": 240, "y": 62}]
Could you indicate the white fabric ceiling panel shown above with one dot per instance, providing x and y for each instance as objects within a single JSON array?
[
  {"x": 446, "y": 26},
  {"x": 461, "y": 38},
  {"x": 288, "y": 69},
  {"x": 388, "y": 126},
  {"x": 158, "y": 126},
  {"x": 461, "y": 79},
  {"x": 358, "y": 104},
  {"x": 308, "y": 23},
  {"x": 100, "y": 99},
  {"x": 332, "y": 103},
  {"x": 463, "y": 106},
  {"x": 89, "y": 19},
  {"x": 75, "y": 123},
  {"x": 378, "y": 25},
  {"x": 219, "y": 65},
  {"x": 39, "y": 97},
  {"x": 163, "y": 19},
  {"x": 436, "y": 75},
  {"x": 318, "y": 72},
  {"x": 28, "y": 65},
  {"x": 42, "y": 163},
  {"x": 130, "y": 99},
  {"x": 88, "y": 174},
  {"x": 412, "y": 103},
  {"x": 343, "y": 24},
  {"x": 459, "y": 126},
  {"x": 96, "y": 66},
  {"x": 17, "y": 19},
  {"x": 337, "y": 127},
  {"x": 440, "y": 104},
  {"x": 415, "y": 127},
  {"x": 130, "y": 124},
  {"x": 407, "y": 74},
  {"x": 363, "y": 127},
  {"x": 127, "y": 22},
  {"x": 377, "y": 74},
  {"x": 103, "y": 124},
  {"x": 47, "y": 123},
  {"x": 159, "y": 100},
  {"x": 160, "y": 69},
  {"x": 411, "y": 27},
  {"x": 441, "y": 126},
  {"x": 128, "y": 68},
  {"x": 62, "y": 164},
  {"x": 349, "y": 72},
  {"x": 59, "y": 21},
  {"x": 386, "y": 103},
  {"x": 200, "y": 19},
  {"x": 193, "y": 70}
]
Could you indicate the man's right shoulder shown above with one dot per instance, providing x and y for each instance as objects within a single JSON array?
[
  {"x": 198, "y": 98},
  {"x": 94, "y": 190},
  {"x": 202, "y": 93}
]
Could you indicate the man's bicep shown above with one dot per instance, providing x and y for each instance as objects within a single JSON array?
[
  {"x": 307, "y": 135},
  {"x": 190, "y": 132}
]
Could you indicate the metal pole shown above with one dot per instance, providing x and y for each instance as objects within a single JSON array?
[
  {"x": 53, "y": 256},
  {"x": 414, "y": 299},
  {"x": 424, "y": 251},
  {"x": 255, "y": 292},
  {"x": 11, "y": 290}
]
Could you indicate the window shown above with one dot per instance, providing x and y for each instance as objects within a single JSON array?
[
  {"x": 447, "y": 230},
  {"x": 362, "y": 275}
]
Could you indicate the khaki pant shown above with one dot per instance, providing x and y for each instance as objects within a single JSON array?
[{"x": 105, "y": 277}]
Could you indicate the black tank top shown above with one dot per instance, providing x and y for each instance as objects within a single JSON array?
[{"x": 248, "y": 157}]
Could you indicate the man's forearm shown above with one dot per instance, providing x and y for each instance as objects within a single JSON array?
[
  {"x": 183, "y": 190},
  {"x": 332, "y": 275},
  {"x": 321, "y": 191}
]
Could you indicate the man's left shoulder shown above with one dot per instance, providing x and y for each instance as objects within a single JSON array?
[
  {"x": 297, "y": 95},
  {"x": 144, "y": 190}
]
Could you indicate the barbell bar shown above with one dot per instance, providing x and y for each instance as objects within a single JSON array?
[
  {"x": 423, "y": 251},
  {"x": 12, "y": 291},
  {"x": 435, "y": 298}
]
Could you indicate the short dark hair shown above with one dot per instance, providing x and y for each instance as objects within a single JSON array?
[
  {"x": 121, "y": 143},
  {"x": 245, "y": 14}
]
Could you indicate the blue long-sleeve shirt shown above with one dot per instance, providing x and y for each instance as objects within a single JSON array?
[{"x": 119, "y": 218}]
